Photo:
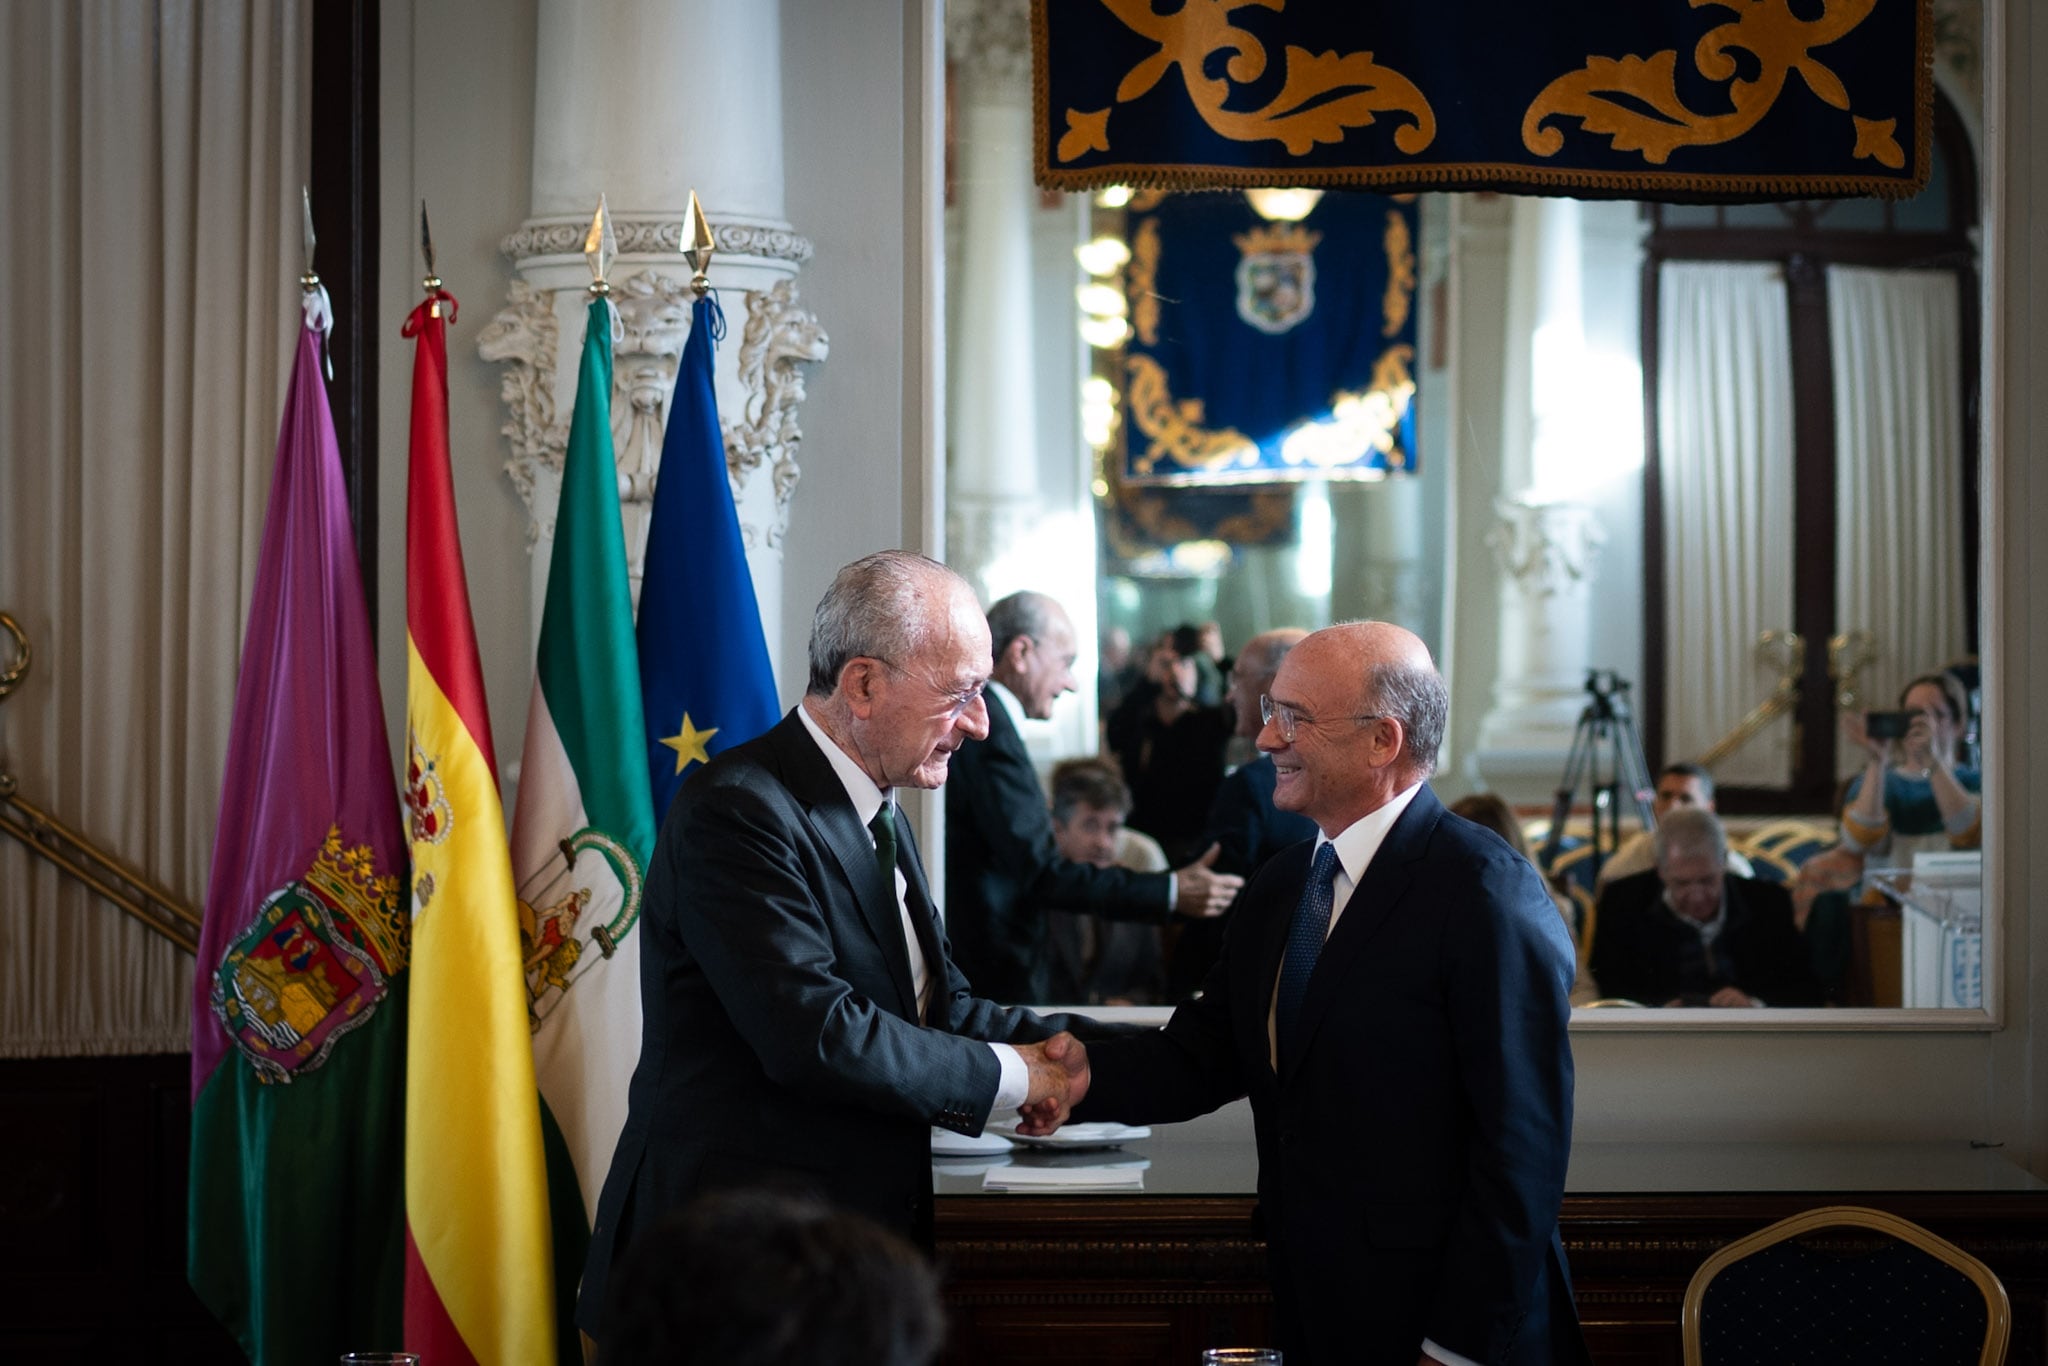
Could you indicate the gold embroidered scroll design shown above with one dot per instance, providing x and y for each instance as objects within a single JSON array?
[
  {"x": 1656, "y": 122},
  {"x": 1322, "y": 97},
  {"x": 1175, "y": 425},
  {"x": 1143, "y": 287},
  {"x": 1400, "y": 293}
]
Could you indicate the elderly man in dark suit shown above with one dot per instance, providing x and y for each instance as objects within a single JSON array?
[
  {"x": 1392, "y": 996},
  {"x": 1689, "y": 933},
  {"x": 805, "y": 1024},
  {"x": 1004, "y": 870}
]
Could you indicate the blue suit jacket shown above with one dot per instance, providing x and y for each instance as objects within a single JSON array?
[
  {"x": 780, "y": 1043},
  {"x": 1413, "y": 1141}
]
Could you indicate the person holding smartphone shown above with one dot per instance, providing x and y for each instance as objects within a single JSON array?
[{"x": 1913, "y": 794}]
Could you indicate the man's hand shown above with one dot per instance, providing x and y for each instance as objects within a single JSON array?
[
  {"x": 1200, "y": 892},
  {"x": 1059, "y": 1078},
  {"x": 1731, "y": 996}
]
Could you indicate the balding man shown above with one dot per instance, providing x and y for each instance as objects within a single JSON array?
[
  {"x": 1393, "y": 999},
  {"x": 1689, "y": 933},
  {"x": 804, "y": 1023},
  {"x": 1244, "y": 825},
  {"x": 1004, "y": 870}
]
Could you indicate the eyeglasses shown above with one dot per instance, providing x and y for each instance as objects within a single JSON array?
[
  {"x": 1289, "y": 719},
  {"x": 957, "y": 700}
]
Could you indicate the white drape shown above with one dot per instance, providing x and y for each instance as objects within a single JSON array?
[
  {"x": 152, "y": 153},
  {"x": 1724, "y": 437},
  {"x": 1897, "y": 345}
]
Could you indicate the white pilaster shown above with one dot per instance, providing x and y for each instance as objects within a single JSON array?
[
  {"x": 644, "y": 101},
  {"x": 993, "y": 491}
]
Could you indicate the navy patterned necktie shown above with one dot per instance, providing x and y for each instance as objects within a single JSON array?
[
  {"x": 883, "y": 828},
  {"x": 1305, "y": 936}
]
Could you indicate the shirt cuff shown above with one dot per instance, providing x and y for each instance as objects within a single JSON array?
[
  {"x": 1015, "y": 1086},
  {"x": 1172, "y": 893},
  {"x": 1445, "y": 1354}
]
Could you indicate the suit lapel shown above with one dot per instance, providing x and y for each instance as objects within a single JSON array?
[
  {"x": 811, "y": 780},
  {"x": 924, "y": 916},
  {"x": 1375, "y": 899}
]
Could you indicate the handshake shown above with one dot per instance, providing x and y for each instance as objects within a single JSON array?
[{"x": 1059, "y": 1078}]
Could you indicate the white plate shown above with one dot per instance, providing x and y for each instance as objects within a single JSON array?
[
  {"x": 1077, "y": 1135},
  {"x": 946, "y": 1143}
]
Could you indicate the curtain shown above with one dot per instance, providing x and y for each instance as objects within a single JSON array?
[
  {"x": 1724, "y": 435},
  {"x": 153, "y": 153},
  {"x": 1897, "y": 345}
]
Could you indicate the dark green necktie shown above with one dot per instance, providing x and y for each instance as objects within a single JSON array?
[{"x": 883, "y": 828}]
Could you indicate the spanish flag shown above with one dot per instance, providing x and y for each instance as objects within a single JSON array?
[{"x": 479, "y": 1284}]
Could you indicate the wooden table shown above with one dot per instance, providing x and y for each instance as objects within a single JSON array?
[{"x": 1123, "y": 1277}]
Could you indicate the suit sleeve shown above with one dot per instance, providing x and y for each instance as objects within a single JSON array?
[
  {"x": 1008, "y": 809},
  {"x": 1508, "y": 970},
  {"x": 1236, "y": 823},
  {"x": 763, "y": 935},
  {"x": 1194, "y": 1064},
  {"x": 1616, "y": 959}
]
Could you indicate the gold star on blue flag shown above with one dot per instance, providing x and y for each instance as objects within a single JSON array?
[{"x": 689, "y": 743}]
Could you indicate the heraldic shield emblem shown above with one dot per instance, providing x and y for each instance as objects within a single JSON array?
[
  {"x": 313, "y": 964},
  {"x": 1276, "y": 276}
]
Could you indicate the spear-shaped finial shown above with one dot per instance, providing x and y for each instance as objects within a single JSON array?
[
  {"x": 308, "y": 281},
  {"x": 698, "y": 252},
  {"x": 599, "y": 247},
  {"x": 432, "y": 282}
]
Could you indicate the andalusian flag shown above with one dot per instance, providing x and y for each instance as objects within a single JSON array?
[
  {"x": 583, "y": 830},
  {"x": 298, "y": 1000},
  {"x": 703, "y": 661},
  {"x": 479, "y": 1284}
]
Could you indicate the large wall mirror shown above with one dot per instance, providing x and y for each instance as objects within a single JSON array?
[{"x": 1726, "y": 457}]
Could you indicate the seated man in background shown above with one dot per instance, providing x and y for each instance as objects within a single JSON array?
[
  {"x": 1689, "y": 933},
  {"x": 1680, "y": 787},
  {"x": 1102, "y": 962},
  {"x": 772, "y": 1279}
]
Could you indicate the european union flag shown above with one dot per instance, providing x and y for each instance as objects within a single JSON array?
[{"x": 705, "y": 680}]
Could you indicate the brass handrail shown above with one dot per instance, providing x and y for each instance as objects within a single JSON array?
[
  {"x": 140, "y": 896},
  {"x": 1784, "y": 697}
]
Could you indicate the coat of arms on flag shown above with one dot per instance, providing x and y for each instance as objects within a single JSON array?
[
  {"x": 1276, "y": 276},
  {"x": 313, "y": 964}
]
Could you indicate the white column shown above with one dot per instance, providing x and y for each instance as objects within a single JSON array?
[
  {"x": 644, "y": 101},
  {"x": 992, "y": 482},
  {"x": 1546, "y": 544}
]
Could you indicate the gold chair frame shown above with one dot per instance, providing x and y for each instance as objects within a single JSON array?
[{"x": 1997, "y": 1308}]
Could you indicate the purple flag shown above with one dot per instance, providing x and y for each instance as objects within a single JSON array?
[{"x": 297, "y": 998}]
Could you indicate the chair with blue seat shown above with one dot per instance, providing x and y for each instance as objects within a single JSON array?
[{"x": 1844, "y": 1284}]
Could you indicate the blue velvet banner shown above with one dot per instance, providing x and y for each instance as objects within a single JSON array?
[
  {"x": 1700, "y": 100},
  {"x": 1267, "y": 352}
]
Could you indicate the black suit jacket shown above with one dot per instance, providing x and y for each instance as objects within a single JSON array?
[
  {"x": 1004, "y": 871},
  {"x": 1641, "y": 951},
  {"x": 1413, "y": 1142},
  {"x": 781, "y": 1043}
]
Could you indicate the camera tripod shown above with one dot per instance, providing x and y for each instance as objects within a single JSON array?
[{"x": 1605, "y": 724}]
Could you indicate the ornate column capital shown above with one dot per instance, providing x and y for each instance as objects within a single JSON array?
[{"x": 1547, "y": 549}]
